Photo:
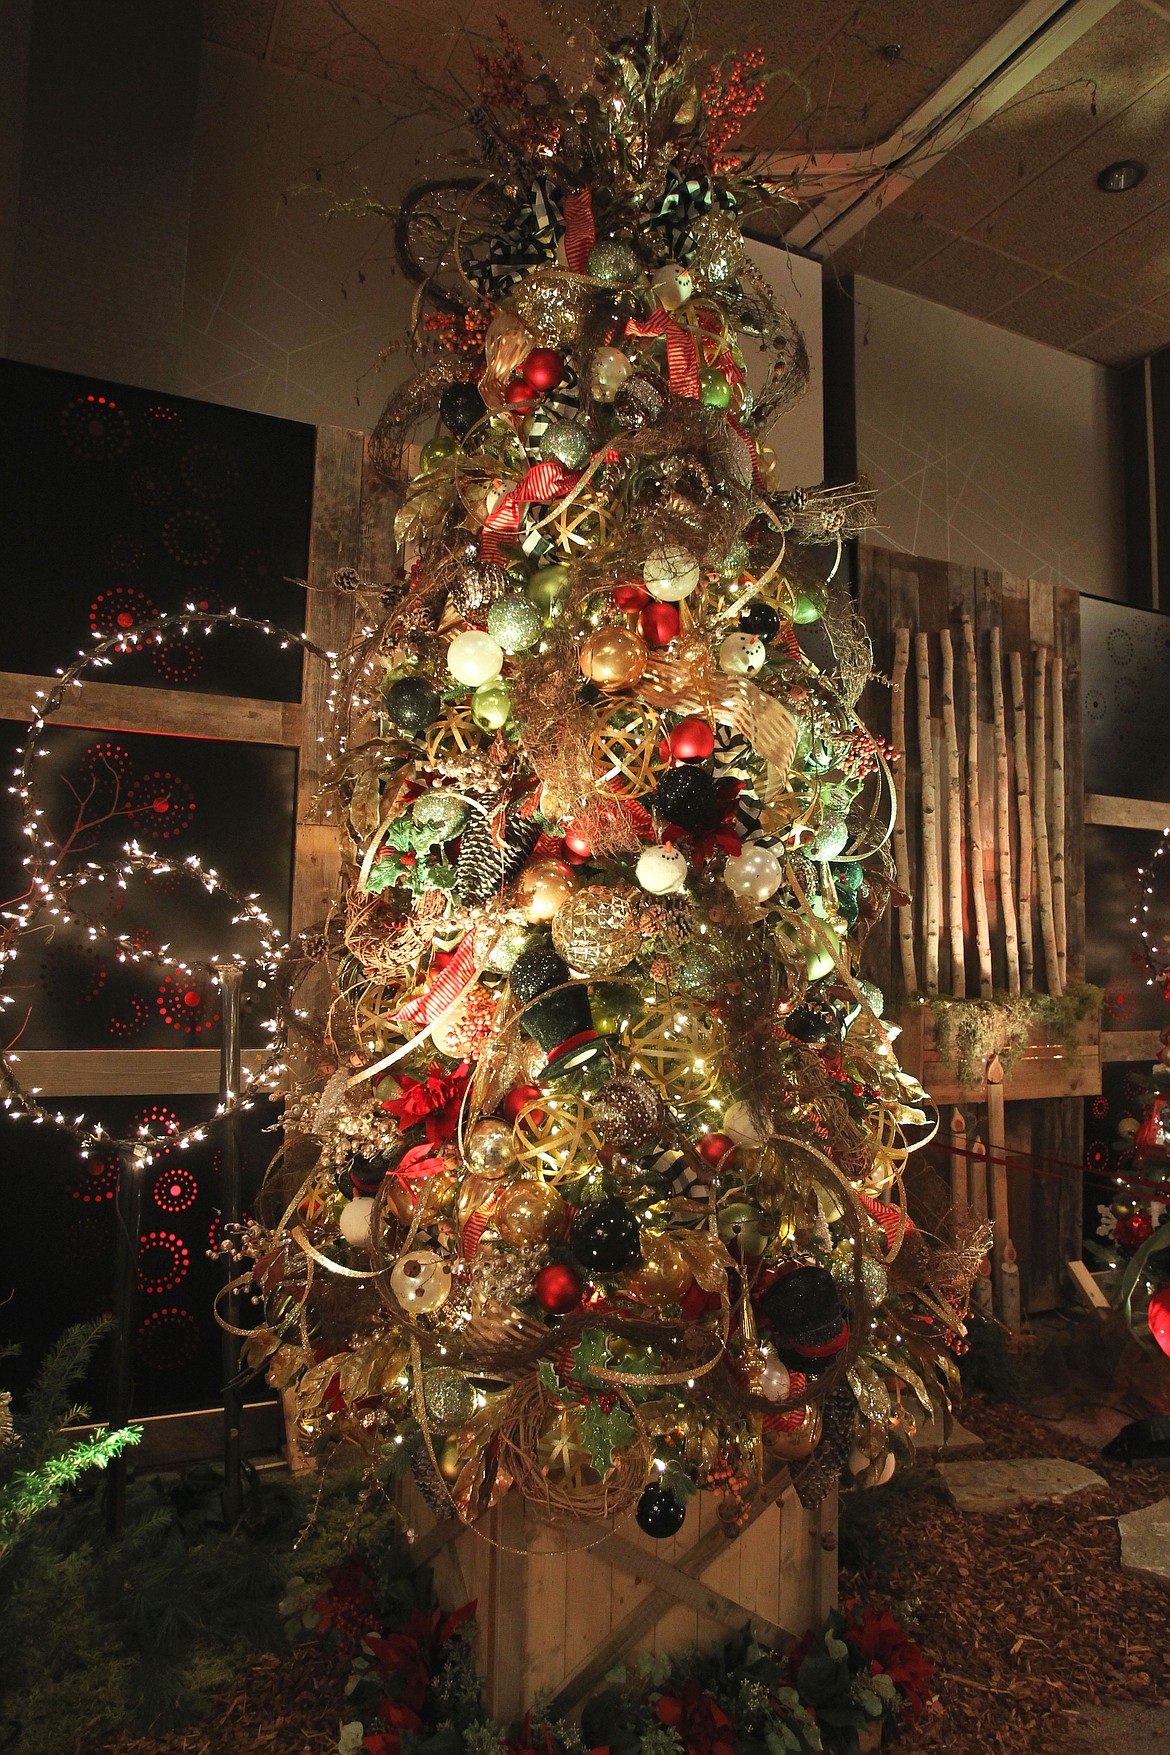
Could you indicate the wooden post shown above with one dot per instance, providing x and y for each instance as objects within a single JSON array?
[
  {"x": 1003, "y": 832},
  {"x": 958, "y": 1160},
  {"x": 1023, "y": 817},
  {"x": 131, "y": 1181},
  {"x": 974, "y": 819},
  {"x": 954, "y": 819},
  {"x": 901, "y": 854},
  {"x": 981, "y": 1289},
  {"x": 929, "y": 813},
  {"x": 230, "y": 982},
  {"x": 1059, "y": 907},
  {"x": 1040, "y": 819},
  {"x": 996, "y": 1141}
]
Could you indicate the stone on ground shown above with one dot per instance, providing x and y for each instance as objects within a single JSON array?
[
  {"x": 1001, "y": 1486},
  {"x": 1145, "y": 1546},
  {"x": 962, "y": 1441},
  {"x": 1125, "y": 1729}
]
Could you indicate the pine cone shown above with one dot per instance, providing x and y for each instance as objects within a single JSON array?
[{"x": 484, "y": 867}]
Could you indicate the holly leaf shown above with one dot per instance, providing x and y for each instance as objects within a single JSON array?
[
  {"x": 591, "y": 1352},
  {"x": 604, "y": 1433},
  {"x": 384, "y": 874},
  {"x": 546, "y": 1371}
]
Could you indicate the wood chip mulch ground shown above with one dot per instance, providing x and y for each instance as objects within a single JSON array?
[{"x": 1027, "y": 1615}]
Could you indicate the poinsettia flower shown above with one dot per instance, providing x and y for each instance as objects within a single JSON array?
[
  {"x": 434, "y": 1100},
  {"x": 881, "y": 1638}
]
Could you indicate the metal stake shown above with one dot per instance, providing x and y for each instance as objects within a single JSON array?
[
  {"x": 131, "y": 1181},
  {"x": 230, "y": 979}
]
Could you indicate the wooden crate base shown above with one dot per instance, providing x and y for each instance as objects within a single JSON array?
[
  {"x": 1045, "y": 1069},
  {"x": 556, "y": 1623}
]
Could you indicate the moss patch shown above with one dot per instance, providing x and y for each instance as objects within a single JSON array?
[{"x": 969, "y": 1031}]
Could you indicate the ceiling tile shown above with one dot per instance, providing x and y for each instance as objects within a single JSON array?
[
  {"x": 1137, "y": 259},
  {"x": 1062, "y": 214},
  {"x": 369, "y": 48},
  {"x": 889, "y": 247},
  {"x": 239, "y": 24},
  {"x": 1133, "y": 336},
  {"x": 1057, "y": 312},
  {"x": 967, "y": 277},
  {"x": 1121, "y": 57}
]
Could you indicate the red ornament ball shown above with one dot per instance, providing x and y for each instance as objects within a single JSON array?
[
  {"x": 558, "y": 1289},
  {"x": 659, "y": 623},
  {"x": 520, "y": 396},
  {"x": 717, "y": 1148},
  {"x": 577, "y": 842},
  {"x": 691, "y": 740},
  {"x": 543, "y": 369},
  {"x": 1158, "y": 1317},
  {"x": 630, "y": 598},
  {"x": 1133, "y": 1231},
  {"x": 518, "y": 1099}
]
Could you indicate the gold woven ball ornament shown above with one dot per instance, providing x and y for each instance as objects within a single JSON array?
[
  {"x": 455, "y": 734},
  {"x": 555, "y": 1135},
  {"x": 678, "y": 1049},
  {"x": 596, "y": 931},
  {"x": 625, "y": 749}
]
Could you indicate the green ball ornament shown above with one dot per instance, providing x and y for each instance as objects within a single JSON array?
[
  {"x": 510, "y": 940},
  {"x": 810, "y": 604},
  {"x": 612, "y": 1004},
  {"x": 567, "y": 443},
  {"x": 436, "y": 451},
  {"x": 440, "y": 814},
  {"x": 740, "y": 1222},
  {"x": 818, "y": 963},
  {"x": 448, "y": 1398},
  {"x": 547, "y": 589},
  {"x": 701, "y": 969},
  {"x": 491, "y": 706},
  {"x": 514, "y": 622},
  {"x": 832, "y": 837},
  {"x": 614, "y": 263},
  {"x": 714, "y": 390}
]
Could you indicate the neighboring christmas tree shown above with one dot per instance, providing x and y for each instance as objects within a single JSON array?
[{"x": 604, "y": 1131}]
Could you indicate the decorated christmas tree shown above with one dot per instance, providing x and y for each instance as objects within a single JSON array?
[{"x": 599, "y": 1135}]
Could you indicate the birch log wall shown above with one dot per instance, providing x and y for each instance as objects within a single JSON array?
[{"x": 982, "y": 704}]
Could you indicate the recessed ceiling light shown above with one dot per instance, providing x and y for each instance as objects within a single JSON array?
[{"x": 1125, "y": 174}]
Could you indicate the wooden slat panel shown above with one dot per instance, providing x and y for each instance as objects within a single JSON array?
[
  {"x": 123, "y": 1072},
  {"x": 1067, "y": 615},
  {"x": 1125, "y": 813},
  {"x": 1119, "y": 1046},
  {"x": 873, "y": 605},
  {"x": 166, "y": 712}
]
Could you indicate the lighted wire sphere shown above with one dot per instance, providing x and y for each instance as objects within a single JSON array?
[
  {"x": 670, "y": 573},
  {"x": 756, "y": 874},
  {"x": 677, "y": 1048}
]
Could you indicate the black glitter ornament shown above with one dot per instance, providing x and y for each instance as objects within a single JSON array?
[
  {"x": 660, "y": 1512},
  {"x": 562, "y": 1014},
  {"x": 412, "y": 703},
  {"x": 605, "y": 1238},
  {"x": 761, "y": 619},
  {"x": 460, "y": 407},
  {"x": 686, "y": 796},
  {"x": 815, "y": 1022}
]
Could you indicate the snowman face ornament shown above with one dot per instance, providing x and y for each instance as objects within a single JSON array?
[
  {"x": 741, "y": 654},
  {"x": 672, "y": 285},
  {"x": 661, "y": 870}
]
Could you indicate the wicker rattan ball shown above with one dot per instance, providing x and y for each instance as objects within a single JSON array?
[
  {"x": 678, "y": 1049},
  {"x": 625, "y": 749},
  {"x": 554, "y": 1135}
]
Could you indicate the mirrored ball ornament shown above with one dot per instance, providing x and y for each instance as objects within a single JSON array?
[
  {"x": 490, "y": 1148},
  {"x": 756, "y": 874},
  {"x": 613, "y": 658}
]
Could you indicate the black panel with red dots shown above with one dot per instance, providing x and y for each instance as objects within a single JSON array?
[{"x": 116, "y": 504}]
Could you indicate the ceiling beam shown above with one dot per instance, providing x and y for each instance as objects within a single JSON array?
[{"x": 859, "y": 184}]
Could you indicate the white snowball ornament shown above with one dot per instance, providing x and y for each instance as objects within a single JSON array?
[
  {"x": 672, "y": 285},
  {"x": 355, "y": 1220},
  {"x": 741, "y": 654},
  {"x": 421, "y": 1280},
  {"x": 740, "y": 1124},
  {"x": 474, "y": 658},
  {"x": 661, "y": 870},
  {"x": 756, "y": 873},
  {"x": 670, "y": 574}
]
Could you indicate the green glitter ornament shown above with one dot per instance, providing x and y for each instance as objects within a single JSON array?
[
  {"x": 614, "y": 263},
  {"x": 567, "y": 443},
  {"x": 514, "y": 623},
  {"x": 448, "y": 1398},
  {"x": 439, "y": 814}
]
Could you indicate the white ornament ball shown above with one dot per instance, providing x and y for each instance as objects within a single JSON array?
[
  {"x": 775, "y": 1377},
  {"x": 608, "y": 370},
  {"x": 740, "y": 1124},
  {"x": 672, "y": 285},
  {"x": 355, "y": 1220},
  {"x": 661, "y": 870},
  {"x": 421, "y": 1280},
  {"x": 888, "y": 1468},
  {"x": 474, "y": 658},
  {"x": 756, "y": 873},
  {"x": 670, "y": 574},
  {"x": 741, "y": 654}
]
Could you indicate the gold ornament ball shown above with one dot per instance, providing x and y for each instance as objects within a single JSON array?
[
  {"x": 663, "y": 1275},
  {"x": 596, "y": 931},
  {"x": 490, "y": 1151},
  {"x": 527, "y": 1213},
  {"x": 792, "y": 1446},
  {"x": 543, "y": 888},
  {"x": 450, "y": 1459},
  {"x": 448, "y": 1398},
  {"x": 613, "y": 658}
]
